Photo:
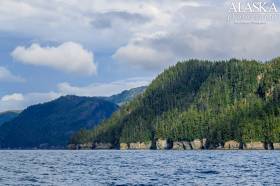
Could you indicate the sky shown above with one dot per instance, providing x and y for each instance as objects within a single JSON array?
[{"x": 99, "y": 48}]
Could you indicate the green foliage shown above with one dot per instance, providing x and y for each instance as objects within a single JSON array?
[{"x": 227, "y": 100}]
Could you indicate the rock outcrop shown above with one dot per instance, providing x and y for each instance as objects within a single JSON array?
[
  {"x": 101, "y": 146},
  {"x": 255, "y": 146},
  {"x": 140, "y": 145},
  {"x": 177, "y": 145},
  {"x": 162, "y": 144},
  {"x": 198, "y": 144},
  {"x": 276, "y": 146},
  {"x": 123, "y": 146},
  {"x": 232, "y": 145},
  {"x": 181, "y": 145},
  {"x": 85, "y": 146}
]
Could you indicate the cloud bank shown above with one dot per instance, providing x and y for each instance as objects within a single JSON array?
[{"x": 146, "y": 34}]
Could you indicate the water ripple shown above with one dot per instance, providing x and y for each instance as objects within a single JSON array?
[{"x": 47, "y": 167}]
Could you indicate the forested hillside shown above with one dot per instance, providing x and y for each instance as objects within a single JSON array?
[{"x": 217, "y": 101}]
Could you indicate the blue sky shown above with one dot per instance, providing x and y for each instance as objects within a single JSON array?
[{"x": 93, "y": 48}]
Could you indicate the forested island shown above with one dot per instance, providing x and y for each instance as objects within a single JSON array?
[{"x": 196, "y": 104}]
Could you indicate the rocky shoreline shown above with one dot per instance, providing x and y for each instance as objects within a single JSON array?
[{"x": 164, "y": 144}]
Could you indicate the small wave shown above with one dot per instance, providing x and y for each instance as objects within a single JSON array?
[{"x": 209, "y": 172}]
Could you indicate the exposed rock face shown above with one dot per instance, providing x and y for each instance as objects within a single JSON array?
[
  {"x": 102, "y": 146},
  {"x": 85, "y": 146},
  {"x": 276, "y": 146},
  {"x": 232, "y": 145},
  {"x": 255, "y": 146},
  {"x": 123, "y": 146},
  {"x": 162, "y": 144},
  {"x": 140, "y": 145},
  {"x": 181, "y": 145},
  {"x": 177, "y": 145},
  {"x": 197, "y": 144}
]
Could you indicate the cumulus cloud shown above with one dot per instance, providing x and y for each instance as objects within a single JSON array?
[
  {"x": 7, "y": 76},
  {"x": 69, "y": 57}
]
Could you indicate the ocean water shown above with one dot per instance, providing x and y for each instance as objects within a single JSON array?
[{"x": 112, "y": 167}]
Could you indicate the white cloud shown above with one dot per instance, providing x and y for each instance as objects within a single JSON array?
[
  {"x": 7, "y": 76},
  {"x": 13, "y": 97},
  {"x": 143, "y": 56},
  {"x": 69, "y": 57}
]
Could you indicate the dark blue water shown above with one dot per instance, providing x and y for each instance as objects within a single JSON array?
[{"x": 47, "y": 167}]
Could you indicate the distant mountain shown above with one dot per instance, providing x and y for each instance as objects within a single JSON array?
[
  {"x": 8, "y": 116},
  {"x": 50, "y": 125},
  {"x": 126, "y": 95}
]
